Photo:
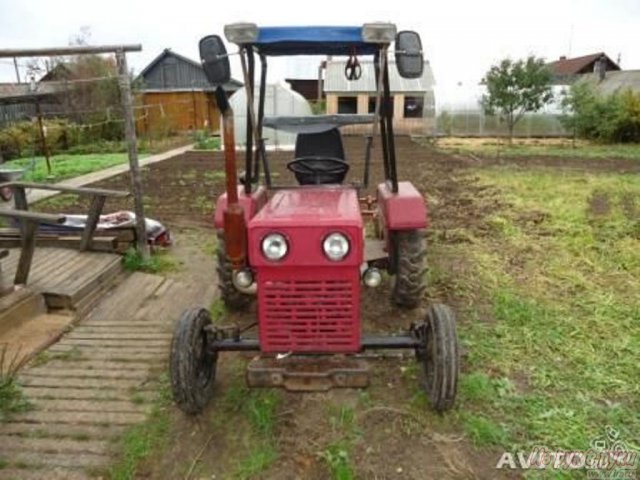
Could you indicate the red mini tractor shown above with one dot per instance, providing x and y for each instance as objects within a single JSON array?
[{"x": 302, "y": 250}]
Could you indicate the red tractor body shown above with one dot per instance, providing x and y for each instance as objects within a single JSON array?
[
  {"x": 306, "y": 302},
  {"x": 301, "y": 249}
]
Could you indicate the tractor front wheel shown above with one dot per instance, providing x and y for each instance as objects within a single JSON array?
[
  {"x": 232, "y": 298},
  {"x": 438, "y": 355},
  {"x": 410, "y": 268},
  {"x": 192, "y": 364}
]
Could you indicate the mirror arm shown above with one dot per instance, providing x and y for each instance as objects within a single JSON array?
[{"x": 248, "y": 176}]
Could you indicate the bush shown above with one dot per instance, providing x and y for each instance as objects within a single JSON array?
[
  {"x": 203, "y": 141},
  {"x": 611, "y": 118}
]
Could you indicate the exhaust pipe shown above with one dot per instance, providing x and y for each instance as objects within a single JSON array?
[{"x": 235, "y": 227}]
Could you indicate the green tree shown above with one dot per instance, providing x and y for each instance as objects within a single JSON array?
[{"x": 515, "y": 88}]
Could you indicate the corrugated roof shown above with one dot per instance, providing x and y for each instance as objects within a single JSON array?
[
  {"x": 577, "y": 65},
  {"x": 335, "y": 80},
  {"x": 615, "y": 81},
  {"x": 186, "y": 78}
]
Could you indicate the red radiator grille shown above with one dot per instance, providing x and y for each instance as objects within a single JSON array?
[{"x": 309, "y": 315}]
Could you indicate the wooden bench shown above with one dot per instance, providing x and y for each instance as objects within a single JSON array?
[
  {"x": 98, "y": 198},
  {"x": 30, "y": 222}
]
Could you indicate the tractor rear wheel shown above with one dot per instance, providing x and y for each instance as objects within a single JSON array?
[
  {"x": 233, "y": 299},
  {"x": 410, "y": 267},
  {"x": 438, "y": 355},
  {"x": 192, "y": 364}
]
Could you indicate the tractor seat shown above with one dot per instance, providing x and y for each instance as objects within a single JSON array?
[{"x": 322, "y": 144}]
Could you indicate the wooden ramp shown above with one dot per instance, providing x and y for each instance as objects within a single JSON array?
[
  {"x": 97, "y": 381},
  {"x": 67, "y": 278}
]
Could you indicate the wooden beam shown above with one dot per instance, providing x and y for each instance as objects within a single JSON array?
[
  {"x": 74, "y": 50},
  {"x": 97, "y": 203},
  {"x": 33, "y": 216},
  {"x": 98, "y": 244},
  {"x": 132, "y": 148},
  {"x": 67, "y": 189},
  {"x": 20, "y": 198}
]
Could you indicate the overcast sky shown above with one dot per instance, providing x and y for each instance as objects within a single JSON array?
[{"x": 461, "y": 39}]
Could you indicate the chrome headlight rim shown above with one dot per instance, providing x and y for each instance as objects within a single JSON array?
[
  {"x": 270, "y": 237},
  {"x": 327, "y": 248}
]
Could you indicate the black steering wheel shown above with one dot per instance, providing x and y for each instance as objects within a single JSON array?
[{"x": 318, "y": 166}]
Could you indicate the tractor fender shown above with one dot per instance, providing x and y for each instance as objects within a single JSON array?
[
  {"x": 251, "y": 204},
  {"x": 404, "y": 210}
]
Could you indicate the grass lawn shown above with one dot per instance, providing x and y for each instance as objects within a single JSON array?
[
  {"x": 558, "y": 275},
  {"x": 66, "y": 166},
  {"x": 538, "y": 147}
]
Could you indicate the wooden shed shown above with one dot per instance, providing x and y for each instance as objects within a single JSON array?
[{"x": 175, "y": 95}]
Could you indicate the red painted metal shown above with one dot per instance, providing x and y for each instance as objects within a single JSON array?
[
  {"x": 307, "y": 303},
  {"x": 405, "y": 210},
  {"x": 306, "y": 216},
  {"x": 309, "y": 310},
  {"x": 251, "y": 204}
]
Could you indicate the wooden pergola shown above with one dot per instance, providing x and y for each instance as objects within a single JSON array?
[{"x": 124, "y": 81}]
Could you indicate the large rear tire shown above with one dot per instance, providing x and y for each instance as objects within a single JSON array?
[
  {"x": 233, "y": 299},
  {"x": 438, "y": 355},
  {"x": 410, "y": 267},
  {"x": 192, "y": 365}
]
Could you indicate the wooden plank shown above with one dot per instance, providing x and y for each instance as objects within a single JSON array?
[
  {"x": 99, "y": 244},
  {"x": 65, "y": 188},
  {"x": 123, "y": 234},
  {"x": 33, "y": 216},
  {"x": 60, "y": 430},
  {"x": 97, "y": 204}
]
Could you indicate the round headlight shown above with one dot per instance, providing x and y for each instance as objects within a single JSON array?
[
  {"x": 335, "y": 246},
  {"x": 274, "y": 246}
]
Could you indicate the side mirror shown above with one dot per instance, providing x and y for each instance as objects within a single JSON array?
[
  {"x": 215, "y": 60},
  {"x": 409, "y": 57}
]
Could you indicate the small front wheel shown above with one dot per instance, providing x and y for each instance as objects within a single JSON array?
[
  {"x": 192, "y": 364},
  {"x": 438, "y": 354}
]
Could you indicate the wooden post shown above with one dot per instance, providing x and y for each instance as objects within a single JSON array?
[
  {"x": 132, "y": 148},
  {"x": 97, "y": 204},
  {"x": 20, "y": 198},
  {"x": 29, "y": 228},
  {"x": 43, "y": 137}
]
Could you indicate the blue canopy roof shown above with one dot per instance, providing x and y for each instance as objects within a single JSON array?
[{"x": 313, "y": 41}]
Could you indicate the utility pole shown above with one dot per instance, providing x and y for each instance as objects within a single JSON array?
[
  {"x": 15, "y": 65},
  {"x": 132, "y": 148}
]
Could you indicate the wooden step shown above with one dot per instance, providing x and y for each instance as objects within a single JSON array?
[{"x": 77, "y": 292}]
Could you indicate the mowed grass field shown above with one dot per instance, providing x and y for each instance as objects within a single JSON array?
[{"x": 556, "y": 359}]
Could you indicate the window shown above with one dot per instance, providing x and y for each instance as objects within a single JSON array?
[
  {"x": 347, "y": 104},
  {"x": 413, "y": 107},
  {"x": 372, "y": 105}
]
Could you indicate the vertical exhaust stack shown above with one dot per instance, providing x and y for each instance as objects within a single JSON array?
[{"x": 235, "y": 227}]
